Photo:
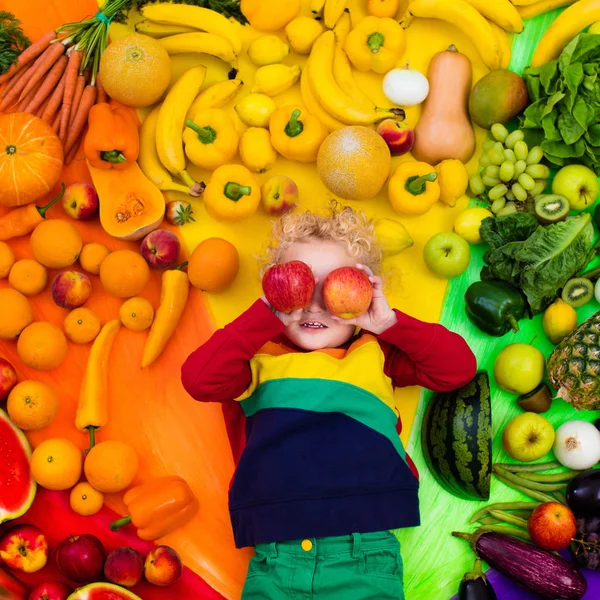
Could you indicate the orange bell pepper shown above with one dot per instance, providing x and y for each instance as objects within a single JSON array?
[{"x": 158, "y": 507}]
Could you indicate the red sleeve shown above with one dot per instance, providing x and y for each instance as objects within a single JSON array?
[
  {"x": 426, "y": 354},
  {"x": 219, "y": 369}
]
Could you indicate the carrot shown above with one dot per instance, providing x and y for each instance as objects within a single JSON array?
[
  {"x": 88, "y": 99},
  {"x": 102, "y": 95},
  {"x": 49, "y": 58},
  {"x": 29, "y": 54},
  {"x": 55, "y": 100},
  {"x": 79, "y": 87},
  {"x": 11, "y": 82},
  {"x": 72, "y": 68},
  {"x": 40, "y": 111},
  {"x": 73, "y": 151},
  {"x": 25, "y": 102},
  {"x": 48, "y": 84},
  {"x": 13, "y": 94},
  {"x": 56, "y": 122}
]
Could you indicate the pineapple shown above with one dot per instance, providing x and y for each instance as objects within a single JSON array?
[{"x": 574, "y": 366}]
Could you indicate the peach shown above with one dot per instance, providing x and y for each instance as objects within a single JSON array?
[
  {"x": 8, "y": 378},
  {"x": 347, "y": 292},
  {"x": 124, "y": 566},
  {"x": 160, "y": 249},
  {"x": 71, "y": 289},
  {"x": 163, "y": 566},
  {"x": 24, "y": 548},
  {"x": 398, "y": 137},
  {"x": 81, "y": 201},
  {"x": 279, "y": 195},
  {"x": 53, "y": 590}
]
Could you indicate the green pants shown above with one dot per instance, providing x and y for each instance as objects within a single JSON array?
[{"x": 354, "y": 567}]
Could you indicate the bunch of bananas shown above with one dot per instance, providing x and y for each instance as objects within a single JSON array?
[{"x": 331, "y": 11}]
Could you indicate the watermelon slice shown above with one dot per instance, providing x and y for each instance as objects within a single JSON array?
[
  {"x": 17, "y": 487},
  {"x": 103, "y": 591}
]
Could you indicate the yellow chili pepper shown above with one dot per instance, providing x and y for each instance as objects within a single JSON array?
[
  {"x": 413, "y": 188},
  {"x": 256, "y": 150},
  {"x": 376, "y": 44},
  {"x": 210, "y": 138},
  {"x": 92, "y": 409},
  {"x": 296, "y": 134},
  {"x": 232, "y": 193},
  {"x": 174, "y": 293}
]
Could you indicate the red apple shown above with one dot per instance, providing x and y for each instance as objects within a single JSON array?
[
  {"x": 552, "y": 526},
  {"x": 71, "y": 289},
  {"x": 124, "y": 566},
  {"x": 160, "y": 248},
  {"x": 397, "y": 136},
  {"x": 53, "y": 590},
  {"x": 289, "y": 286},
  {"x": 8, "y": 378},
  {"x": 24, "y": 548},
  {"x": 163, "y": 566},
  {"x": 347, "y": 292},
  {"x": 81, "y": 201},
  {"x": 80, "y": 558},
  {"x": 279, "y": 195}
]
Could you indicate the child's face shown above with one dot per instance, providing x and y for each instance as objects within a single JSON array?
[{"x": 316, "y": 329}]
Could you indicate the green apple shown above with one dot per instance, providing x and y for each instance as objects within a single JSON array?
[
  {"x": 578, "y": 184},
  {"x": 528, "y": 437},
  {"x": 447, "y": 255},
  {"x": 519, "y": 368}
]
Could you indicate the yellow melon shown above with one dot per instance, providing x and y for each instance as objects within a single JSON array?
[{"x": 354, "y": 162}]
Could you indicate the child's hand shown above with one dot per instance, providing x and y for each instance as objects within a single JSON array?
[
  {"x": 380, "y": 316},
  {"x": 285, "y": 318}
]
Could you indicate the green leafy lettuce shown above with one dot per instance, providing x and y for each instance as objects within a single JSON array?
[
  {"x": 538, "y": 260},
  {"x": 564, "y": 116}
]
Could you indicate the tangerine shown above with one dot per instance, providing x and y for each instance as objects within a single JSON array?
[
  {"x": 111, "y": 466},
  {"x": 28, "y": 276},
  {"x": 82, "y": 325},
  {"x": 15, "y": 315},
  {"x": 91, "y": 257},
  {"x": 32, "y": 405},
  {"x": 56, "y": 464},
  {"x": 213, "y": 265},
  {"x": 42, "y": 345},
  {"x": 7, "y": 259},
  {"x": 85, "y": 500},
  {"x": 136, "y": 313}
]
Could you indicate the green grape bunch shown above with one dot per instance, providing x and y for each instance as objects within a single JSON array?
[{"x": 511, "y": 177}]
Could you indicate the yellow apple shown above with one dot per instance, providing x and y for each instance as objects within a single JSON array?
[
  {"x": 528, "y": 437},
  {"x": 519, "y": 368}
]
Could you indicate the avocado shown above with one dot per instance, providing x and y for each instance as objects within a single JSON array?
[{"x": 497, "y": 98}]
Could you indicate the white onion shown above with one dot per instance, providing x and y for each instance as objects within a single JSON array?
[
  {"x": 577, "y": 445},
  {"x": 405, "y": 87}
]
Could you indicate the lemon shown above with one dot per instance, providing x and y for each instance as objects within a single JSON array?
[
  {"x": 560, "y": 319},
  {"x": 267, "y": 50},
  {"x": 468, "y": 222},
  {"x": 302, "y": 33},
  {"x": 255, "y": 110}
]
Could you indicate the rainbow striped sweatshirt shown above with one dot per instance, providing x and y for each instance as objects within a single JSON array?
[{"x": 315, "y": 435}]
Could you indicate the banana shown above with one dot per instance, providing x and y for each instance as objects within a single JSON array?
[
  {"x": 342, "y": 27},
  {"x": 542, "y": 6},
  {"x": 331, "y": 97},
  {"x": 171, "y": 120},
  {"x": 505, "y": 41},
  {"x": 342, "y": 72},
  {"x": 316, "y": 6},
  {"x": 470, "y": 21},
  {"x": 150, "y": 163},
  {"x": 526, "y": 2},
  {"x": 332, "y": 12},
  {"x": 204, "y": 43},
  {"x": 273, "y": 80},
  {"x": 158, "y": 30},
  {"x": 216, "y": 96},
  {"x": 501, "y": 12},
  {"x": 564, "y": 28},
  {"x": 196, "y": 17},
  {"x": 392, "y": 236}
]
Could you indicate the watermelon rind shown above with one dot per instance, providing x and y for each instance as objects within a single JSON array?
[
  {"x": 103, "y": 591},
  {"x": 6, "y": 515},
  {"x": 456, "y": 438}
]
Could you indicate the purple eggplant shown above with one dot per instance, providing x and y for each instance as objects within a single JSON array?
[
  {"x": 544, "y": 573},
  {"x": 583, "y": 493},
  {"x": 475, "y": 586}
]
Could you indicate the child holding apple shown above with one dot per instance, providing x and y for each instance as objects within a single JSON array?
[{"x": 308, "y": 397}]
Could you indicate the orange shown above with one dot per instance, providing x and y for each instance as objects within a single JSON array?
[
  {"x": 7, "y": 259},
  {"x": 15, "y": 314},
  {"x": 136, "y": 313},
  {"x": 124, "y": 273},
  {"x": 56, "y": 243},
  {"x": 56, "y": 464},
  {"x": 82, "y": 325},
  {"x": 213, "y": 265},
  {"x": 28, "y": 277},
  {"x": 111, "y": 466},
  {"x": 136, "y": 70},
  {"x": 85, "y": 500},
  {"x": 32, "y": 405},
  {"x": 91, "y": 257},
  {"x": 42, "y": 346}
]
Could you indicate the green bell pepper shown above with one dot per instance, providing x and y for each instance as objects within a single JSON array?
[{"x": 495, "y": 306}]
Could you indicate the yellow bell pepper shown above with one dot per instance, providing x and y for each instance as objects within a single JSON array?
[
  {"x": 210, "y": 138},
  {"x": 232, "y": 193},
  {"x": 296, "y": 134},
  {"x": 376, "y": 44},
  {"x": 413, "y": 188},
  {"x": 256, "y": 150}
]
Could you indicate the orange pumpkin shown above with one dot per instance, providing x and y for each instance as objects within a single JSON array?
[{"x": 31, "y": 159}]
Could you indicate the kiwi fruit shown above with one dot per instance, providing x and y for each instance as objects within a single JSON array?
[
  {"x": 537, "y": 401},
  {"x": 578, "y": 291},
  {"x": 551, "y": 208}
]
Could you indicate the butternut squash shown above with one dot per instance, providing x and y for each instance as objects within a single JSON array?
[
  {"x": 131, "y": 206},
  {"x": 444, "y": 130}
]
